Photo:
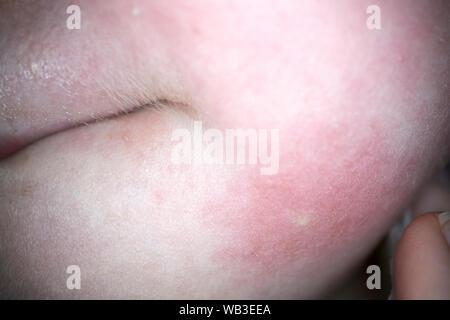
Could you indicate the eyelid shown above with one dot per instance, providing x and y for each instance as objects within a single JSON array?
[{"x": 11, "y": 145}]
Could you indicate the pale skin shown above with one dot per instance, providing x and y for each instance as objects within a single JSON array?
[{"x": 363, "y": 119}]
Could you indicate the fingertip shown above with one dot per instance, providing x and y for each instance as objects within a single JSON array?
[
  {"x": 444, "y": 220},
  {"x": 422, "y": 261}
]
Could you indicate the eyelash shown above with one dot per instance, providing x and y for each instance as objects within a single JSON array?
[{"x": 156, "y": 105}]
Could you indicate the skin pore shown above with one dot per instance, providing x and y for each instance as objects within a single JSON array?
[{"x": 363, "y": 124}]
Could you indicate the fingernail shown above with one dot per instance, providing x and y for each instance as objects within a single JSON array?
[{"x": 444, "y": 220}]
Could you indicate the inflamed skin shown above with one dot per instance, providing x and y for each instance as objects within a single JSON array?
[{"x": 86, "y": 124}]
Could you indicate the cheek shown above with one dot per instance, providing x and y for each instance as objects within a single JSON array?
[
  {"x": 337, "y": 190},
  {"x": 361, "y": 123},
  {"x": 353, "y": 151}
]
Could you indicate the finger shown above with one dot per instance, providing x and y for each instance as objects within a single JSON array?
[{"x": 422, "y": 260}]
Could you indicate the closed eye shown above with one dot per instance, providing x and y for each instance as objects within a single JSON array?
[{"x": 9, "y": 148}]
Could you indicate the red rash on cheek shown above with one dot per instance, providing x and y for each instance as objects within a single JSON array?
[
  {"x": 332, "y": 190},
  {"x": 264, "y": 236}
]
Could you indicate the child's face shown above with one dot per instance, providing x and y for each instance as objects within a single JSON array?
[{"x": 362, "y": 117}]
